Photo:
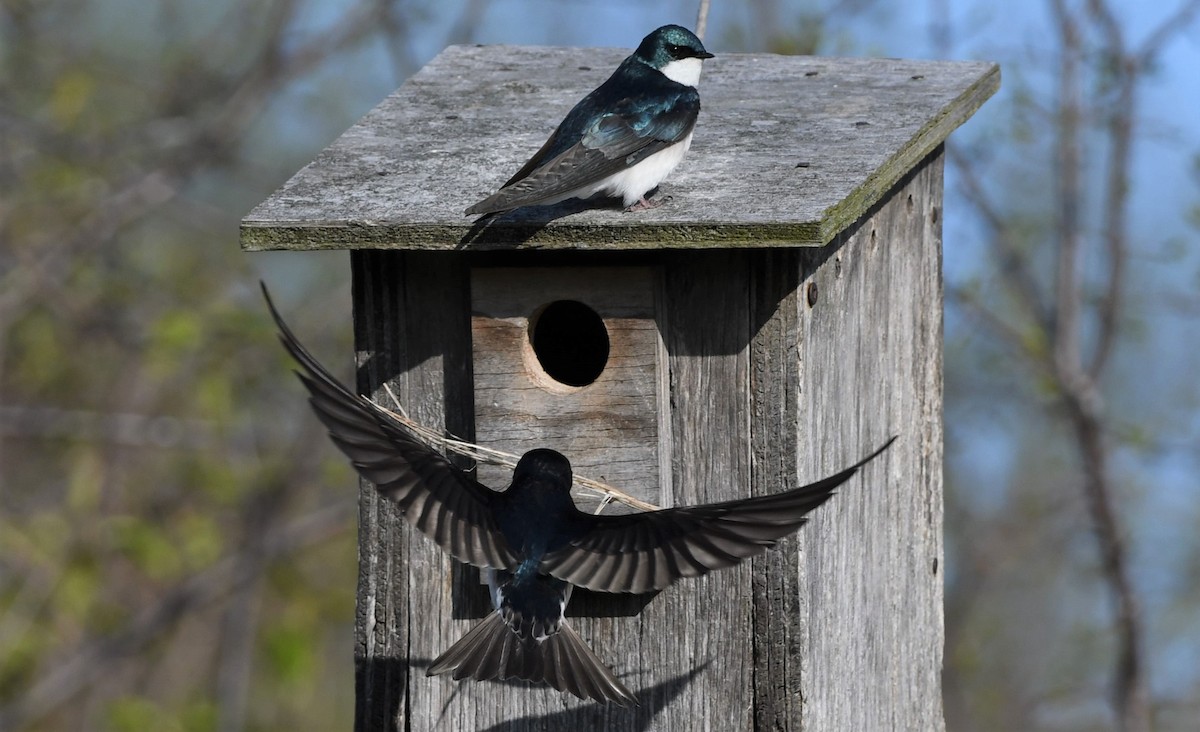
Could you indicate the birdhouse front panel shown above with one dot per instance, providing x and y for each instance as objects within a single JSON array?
[{"x": 571, "y": 358}]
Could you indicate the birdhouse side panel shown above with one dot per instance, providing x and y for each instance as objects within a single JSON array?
[{"x": 870, "y": 366}]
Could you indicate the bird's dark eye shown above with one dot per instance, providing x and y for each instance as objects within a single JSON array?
[{"x": 677, "y": 51}]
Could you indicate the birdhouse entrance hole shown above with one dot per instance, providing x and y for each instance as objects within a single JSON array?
[
  {"x": 569, "y": 341},
  {"x": 570, "y": 357}
]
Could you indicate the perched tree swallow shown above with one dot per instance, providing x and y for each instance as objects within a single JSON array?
[
  {"x": 537, "y": 544},
  {"x": 624, "y": 138}
]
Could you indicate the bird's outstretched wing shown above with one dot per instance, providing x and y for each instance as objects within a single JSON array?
[
  {"x": 648, "y": 551},
  {"x": 435, "y": 497},
  {"x": 614, "y": 142}
]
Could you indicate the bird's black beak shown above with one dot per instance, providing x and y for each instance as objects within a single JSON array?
[{"x": 703, "y": 55}]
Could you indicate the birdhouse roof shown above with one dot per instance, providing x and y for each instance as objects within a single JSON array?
[{"x": 788, "y": 151}]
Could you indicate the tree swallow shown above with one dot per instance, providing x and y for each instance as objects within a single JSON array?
[
  {"x": 624, "y": 138},
  {"x": 537, "y": 544}
]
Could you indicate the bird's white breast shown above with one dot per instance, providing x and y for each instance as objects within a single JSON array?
[
  {"x": 684, "y": 71},
  {"x": 633, "y": 183}
]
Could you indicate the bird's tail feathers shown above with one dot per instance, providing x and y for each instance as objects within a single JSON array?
[{"x": 491, "y": 650}]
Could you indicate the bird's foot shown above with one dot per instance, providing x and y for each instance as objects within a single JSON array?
[{"x": 645, "y": 204}]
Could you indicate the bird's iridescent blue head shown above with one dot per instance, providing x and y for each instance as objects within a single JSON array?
[
  {"x": 546, "y": 465},
  {"x": 673, "y": 49}
]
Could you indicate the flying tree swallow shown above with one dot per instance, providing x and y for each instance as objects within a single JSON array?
[
  {"x": 624, "y": 138},
  {"x": 537, "y": 544}
]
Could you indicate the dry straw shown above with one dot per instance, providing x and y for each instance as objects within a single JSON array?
[{"x": 498, "y": 457}]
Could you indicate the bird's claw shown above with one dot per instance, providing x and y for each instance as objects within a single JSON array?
[{"x": 644, "y": 204}]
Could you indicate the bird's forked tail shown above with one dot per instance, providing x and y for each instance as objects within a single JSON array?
[{"x": 492, "y": 650}]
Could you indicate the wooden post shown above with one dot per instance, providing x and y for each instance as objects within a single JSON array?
[{"x": 780, "y": 316}]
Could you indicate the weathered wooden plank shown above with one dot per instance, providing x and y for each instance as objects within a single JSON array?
[
  {"x": 789, "y": 151},
  {"x": 612, "y": 427},
  {"x": 847, "y": 622},
  {"x": 411, "y": 332},
  {"x": 381, "y": 630},
  {"x": 702, "y": 626},
  {"x": 778, "y": 623},
  {"x": 867, "y": 566}
]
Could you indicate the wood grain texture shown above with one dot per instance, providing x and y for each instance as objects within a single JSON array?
[
  {"x": 612, "y": 428},
  {"x": 788, "y": 151},
  {"x": 778, "y": 618},
  {"x": 405, "y": 305},
  {"x": 704, "y": 624},
  {"x": 867, "y": 567}
]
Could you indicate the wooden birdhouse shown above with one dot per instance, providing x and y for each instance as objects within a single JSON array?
[{"x": 778, "y": 318}]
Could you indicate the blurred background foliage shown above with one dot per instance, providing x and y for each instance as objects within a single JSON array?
[{"x": 176, "y": 533}]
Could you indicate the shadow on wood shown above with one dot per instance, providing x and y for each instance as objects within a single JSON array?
[
  {"x": 511, "y": 229},
  {"x": 651, "y": 701},
  {"x": 382, "y": 685}
]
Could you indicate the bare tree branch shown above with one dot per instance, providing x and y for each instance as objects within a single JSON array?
[
  {"x": 1116, "y": 186},
  {"x": 702, "y": 19},
  {"x": 197, "y": 592},
  {"x": 1079, "y": 386},
  {"x": 1092, "y": 48},
  {"x": 1001, "y": 328},
  {"x": 1176, "y": 22},
  {"x": 1014, "y": 263},
  {"x": 1068, "y": 229}
]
